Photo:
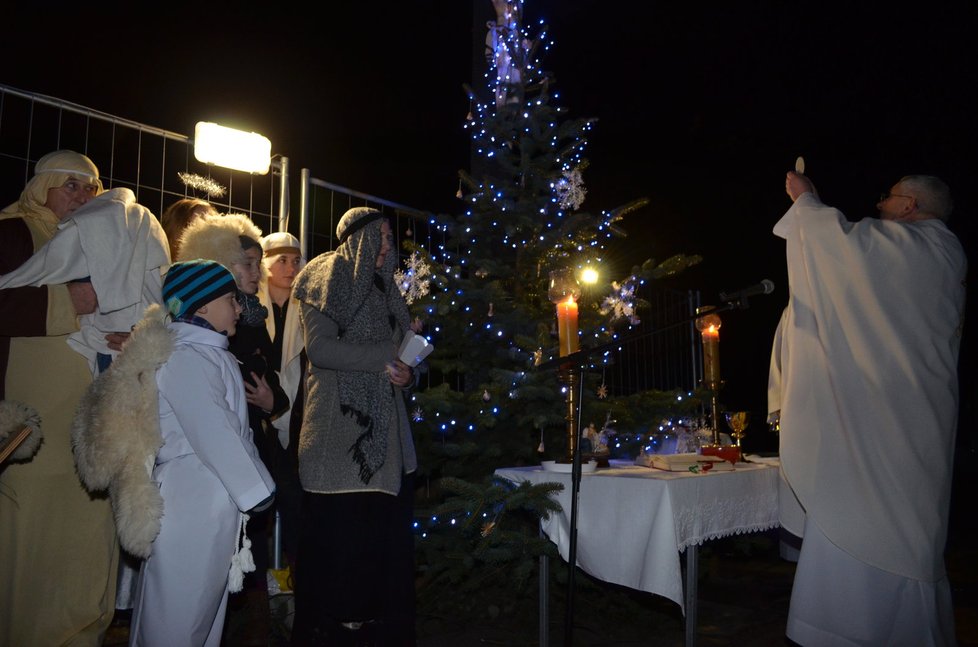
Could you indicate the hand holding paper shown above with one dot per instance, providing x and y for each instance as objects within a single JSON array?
[{"x": 414, "y": 348}]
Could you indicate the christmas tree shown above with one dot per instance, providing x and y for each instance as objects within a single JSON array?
[{"x": 483, "y": 300}]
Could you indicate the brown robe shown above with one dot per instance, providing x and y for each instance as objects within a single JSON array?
[{"x": 58, "y": 548}]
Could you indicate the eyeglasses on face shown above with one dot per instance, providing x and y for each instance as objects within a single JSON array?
[
  {"x": 74, "y": 186},
  {"x": 886, "y": 195}
]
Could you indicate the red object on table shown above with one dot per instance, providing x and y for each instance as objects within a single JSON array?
[{"x": 726, "y": 452}]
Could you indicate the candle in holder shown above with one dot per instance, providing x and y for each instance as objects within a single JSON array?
[
  {"x": 567, "y": 326},
  {"x": 564, "y": 292},
  {"x": 709, "y": 327}
]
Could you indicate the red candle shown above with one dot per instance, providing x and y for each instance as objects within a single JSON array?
[{"x": 567, "y": 326}]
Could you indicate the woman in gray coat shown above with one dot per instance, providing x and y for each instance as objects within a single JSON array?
[{"x": 355, "y": 563}]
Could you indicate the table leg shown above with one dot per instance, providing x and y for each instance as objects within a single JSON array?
[
  {"x": 692, "y": 558},
  {"x": 544, "y": 601}
]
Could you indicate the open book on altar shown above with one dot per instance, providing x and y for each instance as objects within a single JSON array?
[
  {"x": 685, "y": 462},
  {"x": 414, "y": 348}
]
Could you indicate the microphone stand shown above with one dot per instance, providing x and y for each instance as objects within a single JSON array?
[{"x": 571, "y": 368}]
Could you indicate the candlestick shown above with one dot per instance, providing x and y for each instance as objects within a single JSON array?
[
  {"x": 564, "y": 292},
  {"x": 709, "y": 327}
]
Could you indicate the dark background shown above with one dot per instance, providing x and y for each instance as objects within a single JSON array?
[{"x": 700, "y": 110}]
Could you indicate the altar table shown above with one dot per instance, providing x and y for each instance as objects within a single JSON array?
[{"x": 633, "y": 521}]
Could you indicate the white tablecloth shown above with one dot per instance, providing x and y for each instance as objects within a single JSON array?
[{"x": 633, "y": 521}]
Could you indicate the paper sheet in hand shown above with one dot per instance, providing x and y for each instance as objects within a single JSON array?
[{"x": 414, "y": 348}]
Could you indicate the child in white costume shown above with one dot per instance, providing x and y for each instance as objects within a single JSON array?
[{"x": 208, "y": 469}]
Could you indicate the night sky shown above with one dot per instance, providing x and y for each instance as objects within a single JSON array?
[{"x": 702, "y": 111}]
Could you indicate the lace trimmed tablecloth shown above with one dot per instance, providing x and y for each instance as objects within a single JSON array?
[{"x": 633, "y": 521}]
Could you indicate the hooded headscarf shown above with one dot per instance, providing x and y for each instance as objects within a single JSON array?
[
  {"x": 339, "y": 284},
  {"x": 51, "y": 171}
]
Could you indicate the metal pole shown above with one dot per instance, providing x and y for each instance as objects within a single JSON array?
[
  {"x": 283, "y": 194},
  {"x": 544, "y": 598},
  {"x": 573, "y": 380},
  {"x": 304, "y": 212}
]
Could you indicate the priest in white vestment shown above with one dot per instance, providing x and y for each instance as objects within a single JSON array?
[{"x": 864, "y": 373}]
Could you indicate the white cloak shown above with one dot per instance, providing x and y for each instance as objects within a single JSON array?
[
  {"x": 290, "y": 372},
  {"x": 209, "y": 473},
  {"x": 868, "y": 385},
  {"x": 119, "y": 244}
]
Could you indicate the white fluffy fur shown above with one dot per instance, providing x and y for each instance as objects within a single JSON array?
[
  {"x": 215, "y": 238},
  {"x": 116, "y": 433},
  {"x": 14, "y": 416}
]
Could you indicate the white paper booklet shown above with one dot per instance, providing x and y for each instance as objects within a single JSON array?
[{"x": 414, "y": 348}]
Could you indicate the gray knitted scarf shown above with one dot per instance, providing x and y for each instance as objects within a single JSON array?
[{"x": 367, "y": 307}]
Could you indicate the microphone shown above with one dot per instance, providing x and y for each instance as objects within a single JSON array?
[{"x": 764, "y": 287}]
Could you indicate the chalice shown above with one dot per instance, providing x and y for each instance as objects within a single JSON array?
[{"x": 737, "y": 421}]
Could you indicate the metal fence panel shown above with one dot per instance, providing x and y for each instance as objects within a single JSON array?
[{"x": 128, "y": 154}]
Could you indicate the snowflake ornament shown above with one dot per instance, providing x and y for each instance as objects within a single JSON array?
[
  {"x": 417, "y": 415},
  {"x": 413, "y": 282},
  {"x": 570, "y": 190},
  {"x": 620, "y": 303},
  {"x": 602, "y": 391}
]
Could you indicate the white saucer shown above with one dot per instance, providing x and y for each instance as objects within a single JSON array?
[{"x": 554, "y": 466}]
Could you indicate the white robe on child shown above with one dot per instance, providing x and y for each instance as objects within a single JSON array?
[{"x": 209, "y": 473}]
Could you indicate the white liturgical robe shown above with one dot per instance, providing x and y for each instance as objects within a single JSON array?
[{"x": 868, "y": 386}]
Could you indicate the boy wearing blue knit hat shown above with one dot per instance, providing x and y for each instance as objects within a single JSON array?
[{"x": 208, "y": 470}]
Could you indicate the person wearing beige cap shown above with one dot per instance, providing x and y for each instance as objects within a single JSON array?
[
  {"x": 58, "y": 547},
  {"x": 283, "y": 261}
]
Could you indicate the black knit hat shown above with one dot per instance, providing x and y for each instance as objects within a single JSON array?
[{"x": 192, "y": 284}]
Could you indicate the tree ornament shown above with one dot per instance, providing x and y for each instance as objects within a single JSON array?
[
  {"x": 486, "y": 396},
  {"x": 620, "y": 303},
  {"x": 540, "y": 447},
  {"x": 570, "y": 190},
  {"x": 459, "y": 194},
  {"x": 417, "y": 415},
  {"x": 602, "y": 391},
  {"x": 538, "y": 357},
  {"x": 490, "y": 309},
  {"x": 413, "y": 282}
]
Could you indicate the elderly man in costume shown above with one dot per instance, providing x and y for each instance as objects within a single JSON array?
[
  {"x": 58, "y": 549},
  {"x": 865, "y": 379}
]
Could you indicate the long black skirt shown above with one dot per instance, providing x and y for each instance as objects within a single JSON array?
[{"x": 354, "y": 579}]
